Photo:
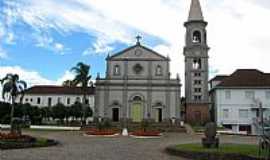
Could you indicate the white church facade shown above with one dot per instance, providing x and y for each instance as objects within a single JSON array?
[{"x": 138, "y": 86}]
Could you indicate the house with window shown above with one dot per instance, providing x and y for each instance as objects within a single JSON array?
[
  {"x": 237, "y": 99},
  {"x": 48, "y": 95},
  {"x": 137, "y": 86}
]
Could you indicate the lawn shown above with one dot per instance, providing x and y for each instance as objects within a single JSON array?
[{"x": 243, "y": 149}]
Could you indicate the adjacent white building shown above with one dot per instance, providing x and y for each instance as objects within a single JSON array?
[
  {"x": 43, "y": 95},
  {"x": 237, "y": 98}
]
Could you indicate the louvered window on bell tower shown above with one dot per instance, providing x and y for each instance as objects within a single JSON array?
[
  {"x": 196, "y": 38},
  {"x": 197, "y": 98}
]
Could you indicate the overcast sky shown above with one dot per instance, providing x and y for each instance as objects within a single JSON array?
[{"x": 42, "y": 39}]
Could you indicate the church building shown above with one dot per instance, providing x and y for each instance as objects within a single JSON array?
[
  {"x": 138, "y": 86},
  {"x": 196, "y": 66}
]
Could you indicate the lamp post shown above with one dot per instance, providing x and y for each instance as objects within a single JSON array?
[{"x": 261, "y": 116}]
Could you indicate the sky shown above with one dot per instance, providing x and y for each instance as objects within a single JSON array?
[{"x": 41, "y": 40}]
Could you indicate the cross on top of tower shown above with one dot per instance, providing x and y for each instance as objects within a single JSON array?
[{"x": 138, "y": 39}]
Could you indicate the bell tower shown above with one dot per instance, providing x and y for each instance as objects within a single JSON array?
[{"x": 196, "y": 66}]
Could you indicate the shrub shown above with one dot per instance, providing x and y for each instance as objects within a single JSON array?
[{"x": 145, "y": 124}]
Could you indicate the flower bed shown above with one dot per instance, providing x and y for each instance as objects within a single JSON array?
[
  {"x": 146, "y": 133},
  {"x": 103, "y": 132},
  {"x": 16, "y": 137},
  {"x": 14, "y": 141}
]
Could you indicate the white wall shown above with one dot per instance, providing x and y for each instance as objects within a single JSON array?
[
  {"x": 239, "y": 101},
  {"x": 44, "y": 99}
]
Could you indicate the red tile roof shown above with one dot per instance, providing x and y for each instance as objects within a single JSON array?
[
  {"x": 219, "y": 78},
  {"x": 246, "y": 78},
  {"x": 49, "y": 89}
]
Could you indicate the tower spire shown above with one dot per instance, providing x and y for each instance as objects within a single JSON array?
[{"x": 195, "y": 12}]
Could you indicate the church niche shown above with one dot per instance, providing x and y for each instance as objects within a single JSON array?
[
  {"x": 116, "y": 70},
  {"x": 158, "y": 70}
]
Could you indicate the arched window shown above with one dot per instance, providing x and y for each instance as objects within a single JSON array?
[
  {"x": 68, "y": 101},
  {"x": 196, "y": 38},
  {"x": 38, "y": 100},
  {"x": 137, "y": 98},
  {"x": 59, "y": 100},
  {"x": 116, "y": 70},
  {"x": 49, "y": 101},
  {"x": 197, "y": 64},
  {"x": 205, "y": 37},
  {"x": 78, "y": 99},
  {"x": 158, "y": 70}
]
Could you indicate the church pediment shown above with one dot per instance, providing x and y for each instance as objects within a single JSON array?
[{"x": 138, "y": 52}]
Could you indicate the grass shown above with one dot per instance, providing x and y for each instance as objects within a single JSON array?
[
  {"x": 243, "y": 149},
  {"x": 198, "y": 128},
  {"x": 41, "y": 141}
]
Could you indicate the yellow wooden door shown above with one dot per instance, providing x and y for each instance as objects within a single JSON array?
[
  {"x": 156, "y": 115},
  {"x": 136, "y": 112}
]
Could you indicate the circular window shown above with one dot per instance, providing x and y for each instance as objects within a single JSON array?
[
  {"x": 137, "y": 68},
  {"x": 138, "y": 52}
]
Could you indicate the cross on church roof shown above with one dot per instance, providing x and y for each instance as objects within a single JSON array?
[{"x": 138, "y": 39}]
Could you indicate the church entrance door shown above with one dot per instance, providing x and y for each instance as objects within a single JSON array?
[
  {"x": 137, "y": 112},
  {"x": 115, "y": 114},
  {"x": 158, "y": 115}
]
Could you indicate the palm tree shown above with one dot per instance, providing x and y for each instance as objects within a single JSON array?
[
  {"x": 68, "y": 83},
  {"x": 82, "y": 79},
  {"x": 12, "y": 88}
]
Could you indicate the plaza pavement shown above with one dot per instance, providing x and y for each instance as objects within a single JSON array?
[{"x": 75, "y": 146}]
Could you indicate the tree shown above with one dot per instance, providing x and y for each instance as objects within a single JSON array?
[
  {"x": 76, "y": 110},
  {"x": 82, "y": 78},
  {"x": 88, "y": 112},
  {"x": 59, "y": 111},
  {"x": 12, "y": 88},
  {"x": 4, "y": 110},
  {"x": 46, "y": 113},
  {"x": 68, "y": 83}
]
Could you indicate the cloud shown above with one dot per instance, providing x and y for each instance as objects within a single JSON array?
[
  {"x": 46, "y": 41},
  {"x": 10, "y": 39},
  {"x": 66, "y": 76},
  {"x": 237, "y": 30},
  {"x": 71, "y": 16},
  {"x": 102, "y": 45},
  {"x": 3, "y": 53},
  {"x": 33, "y": 77}
]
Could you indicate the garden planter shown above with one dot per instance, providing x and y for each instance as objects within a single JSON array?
[{"x": 102, "y": 133}]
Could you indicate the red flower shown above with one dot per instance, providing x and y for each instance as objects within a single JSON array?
[
  {"x": 104, "y": 132},
  {"x": 146, "y": 133}
]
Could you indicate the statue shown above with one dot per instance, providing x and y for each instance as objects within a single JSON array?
[{"x": 210, "y": 140}]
